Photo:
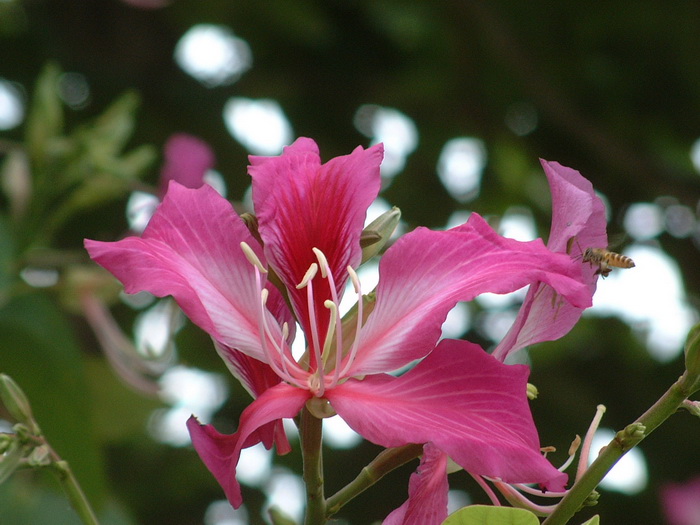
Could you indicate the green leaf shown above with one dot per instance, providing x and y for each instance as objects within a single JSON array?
[
  {"x": 487, "y": 515},
  {"x": 40, "y": 353},
  {"x": 7, "y": 254},
  {"x": 45, "y": 121},
  {"x": 595, "y": 520}
]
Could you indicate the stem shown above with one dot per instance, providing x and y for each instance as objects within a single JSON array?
[
  {"x": 75, "y": 494},
  {"x": 385, "y": 462},
  {"x": 624, "y": 440},
  {"x": 310, "y": 435}
]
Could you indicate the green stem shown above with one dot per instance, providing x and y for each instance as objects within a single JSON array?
[
  {"x": 75, "y": 494},
  {"x": 310, "y": 435},
  {"x": 384, "y": 463},
  {"x": 624, "y": 440}
]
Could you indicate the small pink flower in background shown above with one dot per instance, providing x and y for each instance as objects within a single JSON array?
[
  {"x": 681, "y": 502},
  {"x": 186, "y": 160},
  {"x": 458, "y": 400}
]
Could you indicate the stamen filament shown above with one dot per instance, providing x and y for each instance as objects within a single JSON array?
[
  {"x": 266, "y": 333},
  {"x": 313, "y": 322},
  {"x": 331, "y": 327},
  {"x": 334, "y": 324},
  {"x": 588, "y": 441},
  {"x": 355, "y": 344},
  {"x": 512, "y": 494}
]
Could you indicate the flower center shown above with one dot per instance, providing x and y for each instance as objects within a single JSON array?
[{"x": 274, "y": 344}]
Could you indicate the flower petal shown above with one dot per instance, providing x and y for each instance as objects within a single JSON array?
[
  {"x": 427, "y": 492},
  {"x": 220, "y": 452},
  {"x": 425, "y": 273},
  {"x": 302, "y": 204},
  {"x": 191, "y": 250},
  {"x": 461, "y": 399},
  {"x": 578, "y": 222},
  {"x": 254, "y": 375}
]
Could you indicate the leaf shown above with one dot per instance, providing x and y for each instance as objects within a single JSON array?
[
  {"x": 45, "y": 121},
  {"x": 39, "y": 351},
  {"x": 488, "y": 515},
  {"x": 595, "y": 520},
  {"x": 7, "y": 252}
]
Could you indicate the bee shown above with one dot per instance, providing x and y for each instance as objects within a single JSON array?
[{"x": 606, "y": 260}]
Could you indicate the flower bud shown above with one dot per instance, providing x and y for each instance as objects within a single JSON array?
[
  {"x": 378, "y": 232},
  {"x": 10, "y": 460},
  {"x": 532, "y": 391},
  {"x": 15, "y": 400}
]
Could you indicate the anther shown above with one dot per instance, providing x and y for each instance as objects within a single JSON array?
[
  {"x": 331, "y": 326},
  {"x": 252, "y": 258},
  {"x": 310, "y": 274},
  {"x": 322, "y": 261},
  {"x": 355, "y": 279}
]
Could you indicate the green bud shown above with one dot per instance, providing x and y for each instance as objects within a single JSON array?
[
  {"x": 377, "y": 234},
  {"x": 532, "y": 391},
  {"x": 40, "y": 456},
  {"x": 5, "y": 441},
  {"x": 692, "y": 354},
  {"x": 280, "y": 518},
  {"x": 692, "y": 406},
  {"x": 15, "y": 400},
  {"x": 11, "y": 460}
]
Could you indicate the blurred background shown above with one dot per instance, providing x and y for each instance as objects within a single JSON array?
[{"x": 465, "y": 95}]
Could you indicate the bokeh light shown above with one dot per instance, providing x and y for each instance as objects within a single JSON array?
[
  {"x": 650, "y": 298},
  {"x": 213, "y": 54},
  {"x": 460, "y": 166},
  {"x": 11, "y": 105},
  {"x": 644, "y": 220},
  {"x": 394, "y": 129},
  {"x": 259, "y": 125},
  {"x": 630, "y": 474}
]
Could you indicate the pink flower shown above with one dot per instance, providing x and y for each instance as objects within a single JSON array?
[
  {"x": 462, "y": 401},
  {"x": 578, "y": 222},
  {"x": 186, "y": 160}
]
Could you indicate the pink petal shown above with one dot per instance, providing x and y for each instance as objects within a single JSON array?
[
  {"x": 427, "y": 492},
  {"x": 578, "y": 214},
  {"x": 302, "y": 204},
  {"x": 220, "y": 452},
  {"x": 254, "y": 375},
  {"x": 425, "y": 273},
  {"x": 187, "y": 159},
  {"x": 461, "y": 399},
  {"x": 191, "y": 250}
]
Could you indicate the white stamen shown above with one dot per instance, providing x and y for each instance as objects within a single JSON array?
[
  {"x": 313, "y": 322},
  {"x": 331, "y": 327},
  {"x": 252, "y": 258},
  {"x": 322, "y": 261},
  {"x": 310, "y": 274},
  {"x": 360, "y": 313}
]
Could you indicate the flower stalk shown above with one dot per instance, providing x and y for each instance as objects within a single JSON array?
[
  {"x": 623, "y": 441},
  {"x": 310, "y": 435},
  {"x": 385, "y": 462}
]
